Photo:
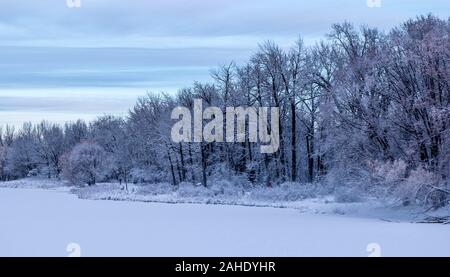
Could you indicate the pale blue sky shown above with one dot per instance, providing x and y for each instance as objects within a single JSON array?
[{"x": 61, "y": 63}]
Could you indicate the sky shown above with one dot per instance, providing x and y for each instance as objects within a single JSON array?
[{"x": 62, "y": 63}]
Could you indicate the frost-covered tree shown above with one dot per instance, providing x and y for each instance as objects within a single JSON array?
[
  {"x": 22, "y": 157},
  {"x": 111, "y": 134},
  {"x": 87, "y": 163},
  {"x": 419, "y": 78},
  {"x": 74, "y": 133},
  {"x": 3, "y": 155},
  {"x": 51, "y": 147}
]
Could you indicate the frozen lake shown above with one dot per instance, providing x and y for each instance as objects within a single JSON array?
[{"x": 44, "y": 223}]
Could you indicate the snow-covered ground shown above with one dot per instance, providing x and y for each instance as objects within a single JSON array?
[{"x": 44, "y": 222}]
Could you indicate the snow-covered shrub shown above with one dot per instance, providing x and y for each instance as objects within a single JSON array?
[
  {"x": 150, "y": 175},
  {"x": 389, "y": 172},
  {"x": 288, "y": 191},
  {"x": 415, "y": 186},
  {"x": 419, "y": 186},
  {"x": 437, "y": 197},
  {"x": 189, "y": 190},
  {"x": 345, "y": 195},
  {"x": 383, "y": 178},
  {"x": 351, "y": 175},
  {"x": 354, "y": 182},
  {"x": 87, "y": 163},
  {"x": 155, "y": 189},
  {"x": 100, "y": 191},
  {"x": 227, "y": 188},
  {"x": 242, "y": 181},
  {"x": 422, "y": 187},
  {"x": 33, "y": 183}
]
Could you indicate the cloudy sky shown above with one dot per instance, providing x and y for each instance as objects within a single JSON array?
[{"x": 60, "y": 63}]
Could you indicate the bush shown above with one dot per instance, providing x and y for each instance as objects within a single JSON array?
[
  {"x": 420, "y": 186},
  {"x": 288, "y": 191},
  {"x": 190, "y": 190},
  {"x": 155, "y": 189},
  {"x": 388, "y": 172},
  {"x": 347, "y": 196}
]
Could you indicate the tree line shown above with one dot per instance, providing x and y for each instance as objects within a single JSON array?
[{"x": 353, "y": 103}]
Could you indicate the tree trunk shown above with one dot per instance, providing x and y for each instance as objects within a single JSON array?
[
  {"x": 183, "y": 166},
  {"x": 172, "y": 170},
  {"x": 293, "y": 142},
  {"x": 310, "y": 157},
  {"x": 191, "y": 162},
  {"x": 204, "y": 164}
]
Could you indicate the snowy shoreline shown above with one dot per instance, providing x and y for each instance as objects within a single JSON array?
[{"x": 321, "y": 204}]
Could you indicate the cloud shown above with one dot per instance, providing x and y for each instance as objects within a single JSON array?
[
  {"x": 120, "y": 47},
  {"x": 103, "y": 20}
]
